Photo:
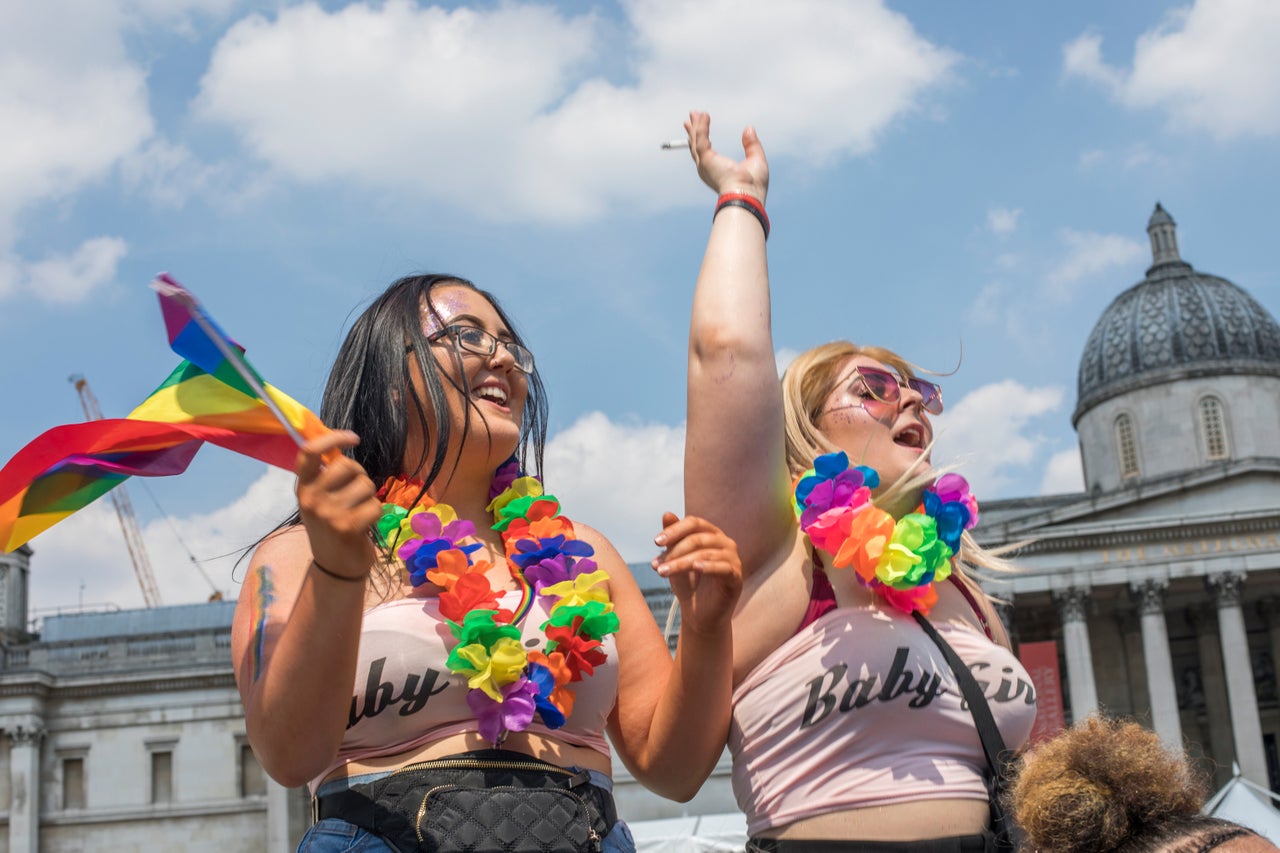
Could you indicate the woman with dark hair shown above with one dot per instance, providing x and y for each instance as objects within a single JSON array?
[
  {"x": 446, "y": 681},
  {"x": 850, "y": 730},
  {"x": 1110, "y": 786}
]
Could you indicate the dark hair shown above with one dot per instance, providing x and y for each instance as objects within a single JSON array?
[
  {"x": 369, "y": 385},
  {"x": 1111, "y": 785}
]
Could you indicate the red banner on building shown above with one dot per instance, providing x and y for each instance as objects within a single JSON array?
[{"x": 1041, "y": 662}]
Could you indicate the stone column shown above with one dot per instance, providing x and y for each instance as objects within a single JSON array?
[
  {"x": 1213, "y": 690},
  {"x": 24, "y": 785},
  {"x": 277, "y": 817},
  {"x": 1268, "y": 686},
  {"x": 1149, "y": 597},
  {"x": 1004, "y": 610},
  {"x": 1083, "y": 694},
  {"x": 1245, "y": 724}
]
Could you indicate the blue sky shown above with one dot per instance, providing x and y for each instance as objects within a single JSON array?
[{"x": 946, "y": 176}]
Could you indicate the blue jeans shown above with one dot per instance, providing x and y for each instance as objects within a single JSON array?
[{"x": 332, "y": 835}]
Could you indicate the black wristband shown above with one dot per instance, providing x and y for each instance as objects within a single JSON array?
[
  {"x": 754, "y": 210},
  {"x": 337, "y": 576}
]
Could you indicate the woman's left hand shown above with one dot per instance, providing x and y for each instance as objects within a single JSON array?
[{"x": 701, "y": 564}]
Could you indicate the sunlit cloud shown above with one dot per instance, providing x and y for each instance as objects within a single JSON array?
[
  {"x": 500, "y": 111},
  {"x": 1003, "y": 220},
  {"x": 1210, "y": 67},
  {"x": 992, "y": 433}
]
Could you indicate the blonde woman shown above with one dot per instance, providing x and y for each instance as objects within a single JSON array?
[{"x": 849, "y": 731}]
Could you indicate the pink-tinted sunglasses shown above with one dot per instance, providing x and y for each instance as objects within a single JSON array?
[{"x": 887, "y": 388}]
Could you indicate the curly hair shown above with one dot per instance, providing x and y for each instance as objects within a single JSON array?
[{"x": 1111, "y": 786}]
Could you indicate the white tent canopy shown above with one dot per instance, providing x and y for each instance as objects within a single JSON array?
[
  {"x": 712, "y": 833},
  {"x": 1247, "y": 804}
]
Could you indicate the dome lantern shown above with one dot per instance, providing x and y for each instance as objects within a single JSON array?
[{"x": 1164, "y": 237}]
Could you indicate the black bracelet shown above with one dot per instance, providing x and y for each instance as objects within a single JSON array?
[
  {"x": 754, "y": 209},
  {"x": 337, "y": 576}
]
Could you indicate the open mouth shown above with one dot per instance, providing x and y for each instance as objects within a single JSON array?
[
  {"x": 912, "y": 436},
  {"x": 492, "y": 393}
]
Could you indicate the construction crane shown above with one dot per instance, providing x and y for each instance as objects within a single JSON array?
[{"x": 124, "y": 509}]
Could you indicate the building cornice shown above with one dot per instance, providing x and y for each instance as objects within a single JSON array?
[
  {"x": 42, "y": 685},
  {"x": 1141, "y": 531},
  {"x": 151, "y": 813},
  {"x": 1086, "y": 505}
]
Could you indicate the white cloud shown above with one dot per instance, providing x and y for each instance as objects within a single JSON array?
[
  {"x": 1064, "y": 474},
  {"x": 178, "y": 13},
  {"x": 990, "y": 432},
  {"x": 1091, "y": 158},
  {"x": 88, "y": 548},
  {"x": 65, "y": 279},
  {"x": 1087, "y": 254},
  {"x": 1082, "y": 57},
  {"x": 618, "y": 478},
  {"x": 458, "y": 105},
  {"x": 1211, "y": 67},
  {"x": 169, "y": 174},
  {"x": 989, "y": 305},
  {"x": 81, "y": 105},
  {"x": 1003, "y": 220}
]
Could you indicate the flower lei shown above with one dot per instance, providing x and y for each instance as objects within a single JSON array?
[
  {"x": 508, "y": 685},
  {"x": 900, "y": 560}
]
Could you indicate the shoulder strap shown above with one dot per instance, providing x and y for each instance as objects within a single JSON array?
[
  {"x": 963, "y": 586},
  {"x": 992, "y": 741}
]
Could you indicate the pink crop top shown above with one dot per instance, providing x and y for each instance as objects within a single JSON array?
[
  {"x": 861, "y": 709},
  {"x": 405, "y": 696}
]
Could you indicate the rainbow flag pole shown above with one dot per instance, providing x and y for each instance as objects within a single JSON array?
[{"x": 173, "y": 294}]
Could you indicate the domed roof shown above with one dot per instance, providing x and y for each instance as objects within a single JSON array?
[{"x": 1176, "y": 323}]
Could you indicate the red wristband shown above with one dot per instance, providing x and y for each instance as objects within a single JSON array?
[{"x": 749, "y": 203}]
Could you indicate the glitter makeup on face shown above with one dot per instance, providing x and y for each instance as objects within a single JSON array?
[{"x": 449, "y": 303}]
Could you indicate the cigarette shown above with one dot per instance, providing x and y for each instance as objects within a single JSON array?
[{"x": 675, "y": 143}]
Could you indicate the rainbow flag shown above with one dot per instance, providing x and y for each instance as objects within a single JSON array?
[{"x": 213, "y": 396}]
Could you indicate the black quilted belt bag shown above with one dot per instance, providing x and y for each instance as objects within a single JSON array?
[{"x": 485, "y": 801}]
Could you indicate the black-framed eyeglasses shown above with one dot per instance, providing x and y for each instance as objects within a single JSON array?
[
  {"x": 475, "y": 340},
  {"x": 887, "y": 388}
]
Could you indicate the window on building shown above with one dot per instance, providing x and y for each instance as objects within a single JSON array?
[
  {"x": 1213, "y": 428},
  {"x": 161, "y": 776},
  {"x": 253, "y": 782},
  {"x": 1127, "y": 447},
  {"x": 73, "y": 782}
]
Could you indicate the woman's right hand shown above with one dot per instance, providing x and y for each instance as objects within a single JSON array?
[
  {"x": 338, "y": 504},
  {"x": 723, "y": 174}
]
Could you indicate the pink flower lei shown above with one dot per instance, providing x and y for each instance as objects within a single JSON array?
[
  {"x": 899, "y": 560},
  {"x": 508, "y": 685}
]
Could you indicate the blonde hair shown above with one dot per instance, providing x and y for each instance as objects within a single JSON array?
[{"x": 806, "y": 385}]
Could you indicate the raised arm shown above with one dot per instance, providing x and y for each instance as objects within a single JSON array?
[
  {"x": 735, "y": 471},
  {"x": 296, "y": 633},
  {"x": 671, "y": 720}
]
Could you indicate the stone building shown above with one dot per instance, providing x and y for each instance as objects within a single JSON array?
[
  {"x": 1160, "y": 583},
  {"x": 124, "y": 731}
]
